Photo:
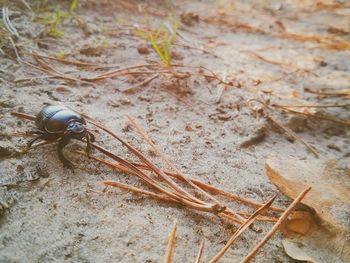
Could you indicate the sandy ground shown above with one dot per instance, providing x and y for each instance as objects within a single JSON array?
[{"x": 56, "y": 215}]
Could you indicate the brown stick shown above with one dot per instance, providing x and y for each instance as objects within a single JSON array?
[
  {"x": 137, "y": 190},
  {"x": 23, "y": 115},
  {"x": 223, "y": 193},
  {"x": 126, "y": 73},
  {"x": 242, "y": 228},
  {"x": 260, "y": 217},
  {"x": 200, "y": 252},
  {"x": 142, "y": 83},
  {"x": 270, "y": 61},
  {"x": 46, "y": 66},
  {"x": 148, "y": 162},
  {"x": 64, "y": 77},
  {"x": 213, "y": 74},
  {"x": 291, "y": 133},
  {"x": 227, "y": 214},
  {"x": 171, "y": 243},
  {"x": 315, "y": 116},
  {"x": 266, "y": 110},
  {"x": 233, "y": 197},
  {"x": 185, "y": 178},
  {"x": 272, "y": 231},
  {"x": 207, "y": 187},
  {"x": 179, "y": 173},
  {"x": 312, "y": 106},
  {"x": 160, "y": 197},
  {"x": 328, "y": 93},
  {"x": 69, "y": 62},
  {"x": 150, "y": 181},
  {"x": 180, "y": 198},
  {"x": 116, "y": 71}
]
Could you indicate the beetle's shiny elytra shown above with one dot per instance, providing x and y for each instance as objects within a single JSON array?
[
  {"x": 59, "y": 123},
  {"x": 58, "y": 119}
]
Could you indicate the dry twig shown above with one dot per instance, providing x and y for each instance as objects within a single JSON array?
[
  {"x": 280, "y": 221},
  {"x": 171, "y": 244},
  {"x": 204, "y": 186},
  {"x": 23, "y": 115},
  {"x": 116, "y": 72},
  {"x": 293, "y": 135},
  {"x": 342, "y": 122},
  {"x": 265, "y": 109},
  {"x": 137, "y": 190},
  {"x": 144, "y": 135},
  {"x": 142, "y": 83},
  {"x": 242, "y": 228},
  {"x": 69, "y": 62},
  {"x": 312, "y": 106},
  {"x": 144, "y": 159},
  {"x": 54, "y": 74},
  {"x": 200, "y": 252},
  {"x": 270, "y": 61},
  {"x": 327, "y": 42},
  {"x": 328, "y": 93}
]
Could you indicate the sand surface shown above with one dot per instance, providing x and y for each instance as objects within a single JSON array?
[{"x": 56, "y": 215}]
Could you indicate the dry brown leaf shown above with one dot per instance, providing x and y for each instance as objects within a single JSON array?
[
  {"x": 299, "y": 222},
  {"x": 294, "y": 251},
  {"x": 329, "y": 197},
  {"x": 330, "y": 182}
]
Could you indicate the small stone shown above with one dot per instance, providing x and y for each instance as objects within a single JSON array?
[
  {"x": 20, "y": 168},
  {"x": 6, "y": 150},
  {"x": 143, "y": 49},
  {"x": 188, "y": 127},
  {"x": 189, "y": 19}
]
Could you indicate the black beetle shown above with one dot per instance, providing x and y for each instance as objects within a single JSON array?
[{"x": 59, "y": 123}]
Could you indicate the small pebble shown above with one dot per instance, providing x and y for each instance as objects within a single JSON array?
[{"x": 143, "y": 49}]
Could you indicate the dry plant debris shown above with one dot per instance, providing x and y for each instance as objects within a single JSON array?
[
  {"x": 328, "y": 179},
  {"x": 171, "y": 245},
  {"x": 329, "y": 93},
  {"x": 329, "y": 199},
  {"x": 261, "y": 108},
  {"x": 177, "y": 72},
  {"x": 241, "y": 229},
  {"x": 200, "y": 252},
  {"x": 276, "y": 226}
]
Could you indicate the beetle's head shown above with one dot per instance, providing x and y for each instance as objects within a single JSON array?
[{"x": 76, "y": 130}]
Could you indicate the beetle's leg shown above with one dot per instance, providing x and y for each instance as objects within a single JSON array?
[
  {"x": 88, "y": 147},
  {"x": 63, "y": 142},
  {"x": 92, "y": 137},
  {"x": 30, "y": 143},
  {"x": 89, "y": 138}
]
